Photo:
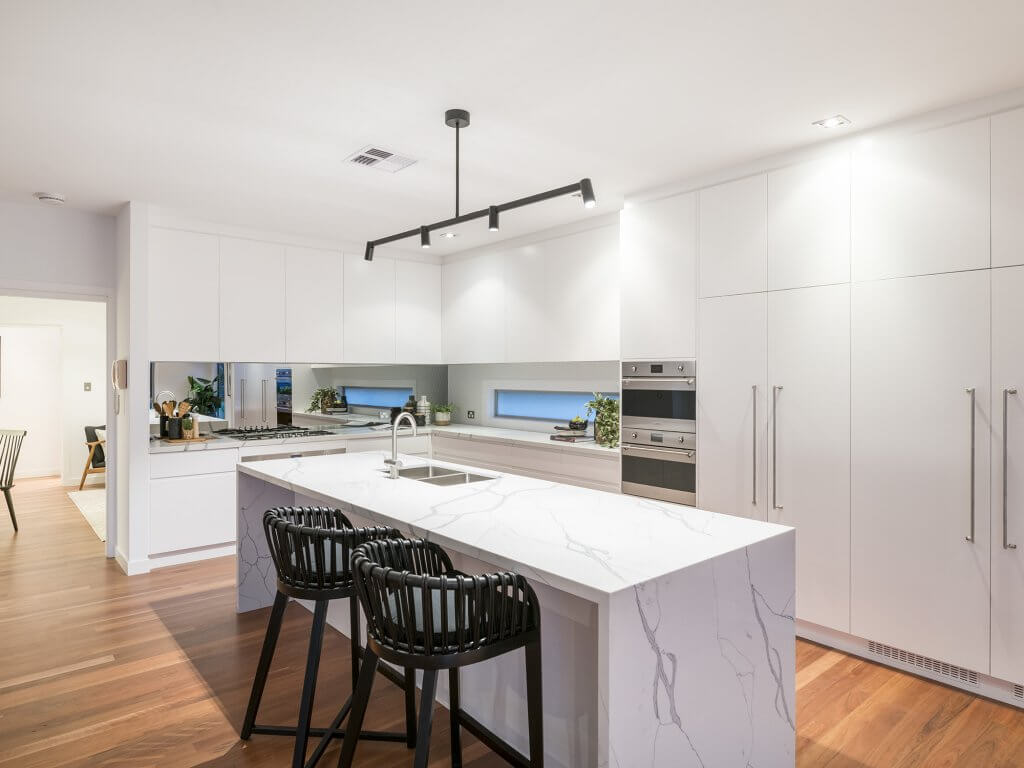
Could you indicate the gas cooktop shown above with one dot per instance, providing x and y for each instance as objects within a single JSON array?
[{"x": 270, "y": 433}]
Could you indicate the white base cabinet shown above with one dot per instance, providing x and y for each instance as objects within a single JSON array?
[
  {"x": 917, "y": 582},
  {"x": 809, "y": 443},
  {"x": 731, "y": 398}
]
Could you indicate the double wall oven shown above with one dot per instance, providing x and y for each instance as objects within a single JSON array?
[{"x": 659, "y": 430}]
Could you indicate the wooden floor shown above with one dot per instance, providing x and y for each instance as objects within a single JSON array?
[{"x": 97, "y": 669}]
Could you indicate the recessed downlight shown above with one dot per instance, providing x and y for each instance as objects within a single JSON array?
[
  {"x": 836, "y": 121},
  {"x": 448, "y": 235},
  {"x": 51, "y": 198}
]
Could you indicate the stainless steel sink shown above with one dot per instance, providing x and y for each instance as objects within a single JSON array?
[{"x": 441, "y": 475}]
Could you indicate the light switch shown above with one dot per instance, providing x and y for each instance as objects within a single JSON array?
[
  {"x": 470, "y": 414},
  {"x": 88, "y": 386}
]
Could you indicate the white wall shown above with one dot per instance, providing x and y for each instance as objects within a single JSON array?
[
  {"x": 81, "y": 329},
  {"x": 30, "y": 395},
  {"x": 471, "y": 387}
]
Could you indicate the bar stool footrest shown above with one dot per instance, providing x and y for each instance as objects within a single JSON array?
[{"x": 290, "y": 730}]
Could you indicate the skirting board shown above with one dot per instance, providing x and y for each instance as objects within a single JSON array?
[
  {"x": 191, "y": 555},
  {"x": 967, "y": 680}
]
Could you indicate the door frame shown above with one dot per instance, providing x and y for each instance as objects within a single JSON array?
[{"x": 74, "y": 292}]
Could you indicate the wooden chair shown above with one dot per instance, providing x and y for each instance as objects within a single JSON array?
[
  {"x": 97, "y": 461},
  {"x": 10, "y": 447}
]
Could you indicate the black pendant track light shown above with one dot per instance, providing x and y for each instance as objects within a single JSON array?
[{"x": 459, "y": 119}]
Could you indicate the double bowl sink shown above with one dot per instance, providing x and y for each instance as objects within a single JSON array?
[{"x": 441, "y": 475}]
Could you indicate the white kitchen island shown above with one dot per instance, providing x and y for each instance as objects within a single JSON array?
[{"x": 668, "y": 634}]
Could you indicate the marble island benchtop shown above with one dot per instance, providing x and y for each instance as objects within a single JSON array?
[{"x": 586, "y": 542}]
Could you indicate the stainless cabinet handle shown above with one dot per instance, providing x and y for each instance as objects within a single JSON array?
[
  {"x": 775, "y": 450},
  {"x": 263, "y": 400},
  {"x": 241, "y": 410},
  {"x": 1006, "y": 525},
  {"x": 970, "y": 391},
  {"x": 753, "y": 484}
]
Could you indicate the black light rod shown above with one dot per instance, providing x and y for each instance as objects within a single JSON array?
[{"x": 568, "y": 189}]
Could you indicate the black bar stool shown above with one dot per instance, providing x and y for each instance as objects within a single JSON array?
[
  {"x": 311, "y": 549},
  {"x": 422, "y": 614}
]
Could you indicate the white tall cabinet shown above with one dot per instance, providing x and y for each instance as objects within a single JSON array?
[
  {"x": 731, "y": 398},
  {"x": 252, "y": 315},
  {"x": 734, "y": 237},
  {"x": 658, "y": 279},
  {"x": 1008, "y": 489},
  {"x": 918, "y": 345},
  {"x": 1008, "y": 188},
  {"x": 809, "y": 442}
]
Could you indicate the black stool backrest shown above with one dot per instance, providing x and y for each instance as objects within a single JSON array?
[
  {"x": 311, "y": 546},
  {"x": 416, "y": 603},
  {"x": 10, "y": 447}
]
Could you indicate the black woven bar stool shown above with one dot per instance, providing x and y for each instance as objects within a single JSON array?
[
  {"x": 311, "y": 549},
  {"x": 422, "y": 614}
]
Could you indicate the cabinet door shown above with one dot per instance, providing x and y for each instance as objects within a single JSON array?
[
  {"x": 921, "y": 203},
  {"x": 184, "y": 317},
  {"x": 809, "y": 443},
  {"x": 190, "y": 512},
  {"x": 734, "y": 237},
  {"x": 809, "y": 223},
  {"x": 917, "y": 582},
  {"x": 529, "y": 331},
  {"x": 369, "y": 310},
  {"x": 313, "y": 301},
  {"x": 1008, "y": 452},
  {"x": 1008, "y": 188},
  {"x": 473, "y": 295},
  {"x": 731, "y": 398},
  {"x": 417, "y": 312},
  {"x": 658, "y": 279},
  {"x": 252, "y": 312}
]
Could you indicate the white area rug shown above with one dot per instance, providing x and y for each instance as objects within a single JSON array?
[{"x": 93, "y": 506}]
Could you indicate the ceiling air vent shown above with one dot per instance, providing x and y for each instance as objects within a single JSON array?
[
  {"x": 934, "y": 666},
  {"x": 381, "y": 159},
  {"x": 1018, "y": 691}
]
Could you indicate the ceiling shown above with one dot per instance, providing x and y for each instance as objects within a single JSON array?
[{"x": 244, "y": 112}]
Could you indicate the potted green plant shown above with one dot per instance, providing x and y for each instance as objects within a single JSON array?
[
  {"x": 202, "y": 395},
  {"x": 443, "y": 414},
  {"x": 578, "y": 423},
  {"x": 606, "y": 419},
  {"x": 321, "y": 399}
]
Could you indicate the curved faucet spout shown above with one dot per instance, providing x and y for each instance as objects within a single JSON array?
[{"x": 393, "y": 463}]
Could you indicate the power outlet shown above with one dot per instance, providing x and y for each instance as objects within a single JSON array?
[
  {"x": 470, "y": 414},
  {"x": 88, "y": 386}
]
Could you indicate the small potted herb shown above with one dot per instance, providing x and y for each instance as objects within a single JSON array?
[
  {"x": 578, "y": 423},
  {"x": 186, "y": 427},
  {"x": 443, "y": 414},
  {"x": 322, "y": 399}
]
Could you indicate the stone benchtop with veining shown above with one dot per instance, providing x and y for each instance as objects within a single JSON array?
[{"x": 586, "y": 542}]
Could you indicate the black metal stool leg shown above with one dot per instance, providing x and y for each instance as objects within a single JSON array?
[
  {"x": 360, "y": 698},
  {"x": 410, "y": 708},
  {"x": 10, "y": 508},
  {"x": 534, "y": 704},
  {"x": 263, "y": 668},
  {"x": 453, "y": 709},
  {"x": 428, "y": 692},
  {"x": 353, "y": 620},
  {"x": 316, "y": 640}
]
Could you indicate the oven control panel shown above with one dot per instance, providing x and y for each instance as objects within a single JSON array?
[
  {"x": 686, "y": 441},
  {"x": 660, "y": 369}
]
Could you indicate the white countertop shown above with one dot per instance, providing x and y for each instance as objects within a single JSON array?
[
  {"x": 521, "y": 436},
  {"x": 215, "y": 443},
  {"x": 590, "y": 543}
]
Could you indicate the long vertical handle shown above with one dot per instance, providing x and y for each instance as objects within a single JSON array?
[
  {"x": 1006, "y": 525},
  {"x": 263, "y": 400},
  {"x": 241, "y": 410},
  {"x": 970, "y": 391},
  {"x": 775, "y": 450},
  {"x": 753, "y": 485}
]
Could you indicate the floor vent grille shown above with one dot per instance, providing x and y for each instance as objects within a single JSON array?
[
  {"x": 934, "y": 666},
  {"x": 381, "y": 159}
]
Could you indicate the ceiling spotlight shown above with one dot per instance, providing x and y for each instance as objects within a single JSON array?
[
  {"x": 492, "y": 218},
  {"x": 369, "y": 252},
  {"x": 448, "y": 235},
  {"x": 836, "y": 121},
  {"x": 587, "y": 192},
  {"x": 52, "y": 198},
  {"x": 424, "y": 237}
]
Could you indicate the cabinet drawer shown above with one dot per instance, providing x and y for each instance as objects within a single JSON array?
[
  {"x": 601, "y": 468},
  {"x": 468, "y": 451},
  {"x": 192, "y": 462},
  {"x": 190, "y": 512}
]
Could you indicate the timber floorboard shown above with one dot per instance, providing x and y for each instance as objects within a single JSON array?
[{"x": 99, "y": 669}]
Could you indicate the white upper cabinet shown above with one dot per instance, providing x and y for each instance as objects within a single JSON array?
[
  {"x": 809, "y": 223},
  {"x": 731, "y": 399},
  {"x": 473, "y": 293},
  {"x": 1008, "y": 189},
  {"x": 252, "y": 314},
  {"x": 809, "y": 442},
  {"x": 527, "y": 305},
  {"x": 313, "y": 302},
  {"x": 1008, "y": 451},
  {"x": 658, "y": 279},
  {"x": 917, "y": 583},
  {"x": 734, "y": 237},
  {"x": 417, "y": 312},
  {"x": 921, "y": 203},
  {"x": 369, "y": 305},
  {"x": 184, "y": 312}
]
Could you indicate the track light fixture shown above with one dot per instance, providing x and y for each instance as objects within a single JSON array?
[{"x": 459, "y": 119}]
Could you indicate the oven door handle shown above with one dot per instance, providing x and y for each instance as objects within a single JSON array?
[
  {"x": 677, "y": 454},
  {"x": 660, "y": 379},
  {"x": 671, "y": 385}
]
